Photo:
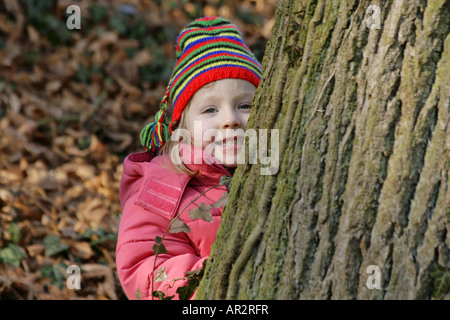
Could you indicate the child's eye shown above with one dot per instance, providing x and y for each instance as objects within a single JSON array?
[
  {"x": 209, "y": 110},
  {"x": 245, "y": 106}
]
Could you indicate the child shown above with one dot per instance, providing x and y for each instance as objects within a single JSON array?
[{"x": 211, "y": 90}]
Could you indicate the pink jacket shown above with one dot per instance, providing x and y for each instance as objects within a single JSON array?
[{"x": 150, "y": 196}]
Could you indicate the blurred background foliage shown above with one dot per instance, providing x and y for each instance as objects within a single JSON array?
[{"x": 72, "y": 104}]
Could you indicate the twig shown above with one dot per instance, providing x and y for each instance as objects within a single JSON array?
[{"x": 167, "y": 230}]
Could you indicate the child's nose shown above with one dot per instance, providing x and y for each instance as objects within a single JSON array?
[{"x": 231, "y": 122}]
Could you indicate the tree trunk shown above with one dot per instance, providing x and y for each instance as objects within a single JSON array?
[{"x": 364, "y": 149}]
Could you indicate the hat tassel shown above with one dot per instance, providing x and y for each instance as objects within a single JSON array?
[{"x": 156, "y": 133}]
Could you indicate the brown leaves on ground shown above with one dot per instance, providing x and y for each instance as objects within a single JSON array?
[{"x": 72, "y": 104}]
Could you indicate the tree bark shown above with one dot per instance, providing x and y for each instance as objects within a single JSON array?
[{"x": 364, "y": 153}]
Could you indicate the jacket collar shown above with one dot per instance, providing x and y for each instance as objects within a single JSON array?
[
  {"x": 160, "y": 189},
  {"x": 194, "y": 158}
]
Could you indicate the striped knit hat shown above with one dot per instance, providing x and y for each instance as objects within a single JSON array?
[{"x": 207, "y": 50}]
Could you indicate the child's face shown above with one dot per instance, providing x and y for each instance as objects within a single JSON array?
[{"x": 217, "y": 112}]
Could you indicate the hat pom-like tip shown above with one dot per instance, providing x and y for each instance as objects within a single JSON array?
[{"x": 154, "y": 135}]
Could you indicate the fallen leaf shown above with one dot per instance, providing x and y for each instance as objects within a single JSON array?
[
  {"x": 92, "y": 212},
  {"x": 82, "y": 250},
  {"x": 92, "y": 271},
  {"x": 36, "y": 249}
]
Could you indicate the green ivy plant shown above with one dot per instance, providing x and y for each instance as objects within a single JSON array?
[
  {"x": 176, "y": 225},
  {"x": 441, "y": 281}
]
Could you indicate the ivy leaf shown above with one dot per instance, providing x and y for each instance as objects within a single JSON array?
[
  {"x": 159, "y": 247},
  {"x": 53, "y": 245},
  {"x": 55, "y": 272},
  {"x": 225, "y": 181},
  {"x": 197, "y": 272},
  {"x": 203, "y": 211},
  {"x": 161, "y": 275},
  {"x": 193, "y": 278},
  {"x": 161, "y": 296},
  {"x": 14, "y": 232},
  {"x": 186, "y": 292},
  {"x": 222, "y": 202},
  {"x": 179, "y": 226},
  {"x": 441, "y": 279},
  {"x": 138, "y": 294},
  {"x": 11, "y": 254}
]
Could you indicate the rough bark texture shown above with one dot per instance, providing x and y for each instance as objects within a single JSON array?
[{"x": 364, "y": 158}]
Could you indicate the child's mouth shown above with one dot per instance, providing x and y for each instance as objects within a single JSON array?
[{"x": 231, "y": 142}]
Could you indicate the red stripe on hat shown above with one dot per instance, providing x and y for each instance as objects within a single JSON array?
[
  {"x": 211, "y": 57},
  {"x": 185, "y": 33},
  {"x": 220, "y": 40},
  {"x": 204, "y": 29},
  {"x": 201, "y": 44}
]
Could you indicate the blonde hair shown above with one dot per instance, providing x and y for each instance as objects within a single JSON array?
[{"x": 169, "y": 146}]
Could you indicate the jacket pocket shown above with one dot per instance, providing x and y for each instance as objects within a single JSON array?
[{"x": 159, "y": 197}]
